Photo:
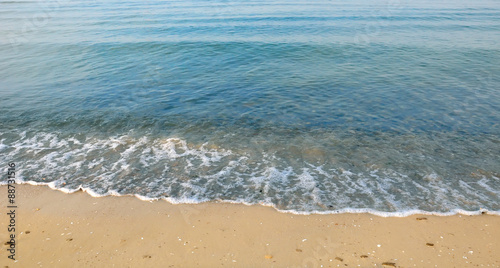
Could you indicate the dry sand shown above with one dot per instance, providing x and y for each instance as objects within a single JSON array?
[{"x": 76, "y": 230}]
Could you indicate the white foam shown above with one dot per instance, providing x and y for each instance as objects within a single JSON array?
[
  {"x": 3, "y": 146},
  {"x": 306, "y": 181},
  {"x": 298, "y": 190}
]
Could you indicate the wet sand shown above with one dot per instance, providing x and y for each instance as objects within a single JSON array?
[{"x": 54, "y": 229}]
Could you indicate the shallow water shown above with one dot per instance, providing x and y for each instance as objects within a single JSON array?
[{"x": 321, "y": 106}]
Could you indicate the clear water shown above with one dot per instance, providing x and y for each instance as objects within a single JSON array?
[{"x": 324, "y": 106}]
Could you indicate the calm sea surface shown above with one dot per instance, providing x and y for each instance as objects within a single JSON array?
[{"x": 312, "y": 106}]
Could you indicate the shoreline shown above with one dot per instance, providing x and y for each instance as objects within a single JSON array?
[
  {"x": 55, "y": 229},
  {"x": 384, "y": 214}
]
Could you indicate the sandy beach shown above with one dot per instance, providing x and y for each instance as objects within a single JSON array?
[{"x": 54, "y": 229}]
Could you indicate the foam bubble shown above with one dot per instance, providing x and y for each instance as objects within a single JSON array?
[{"x": 175, "y": 170}]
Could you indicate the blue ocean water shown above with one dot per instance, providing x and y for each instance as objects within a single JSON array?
[{"x": 307, "y": 106}]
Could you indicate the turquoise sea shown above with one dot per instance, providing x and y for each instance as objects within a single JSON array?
[{"x": 391, "y": 107}]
